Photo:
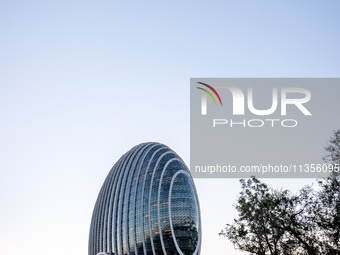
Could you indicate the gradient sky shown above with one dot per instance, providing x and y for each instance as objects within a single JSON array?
[{"x": 81, "y": 82}]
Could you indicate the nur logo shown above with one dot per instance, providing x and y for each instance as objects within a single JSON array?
[{"x": 284, "y": 95}]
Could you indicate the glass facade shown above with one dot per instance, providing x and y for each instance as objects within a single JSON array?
[{"x": 147, "y": 205}]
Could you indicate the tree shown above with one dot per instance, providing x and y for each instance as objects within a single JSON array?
[
  {"x": 327, "y": 214},
  {"x": 327, "y": 206},
  {"x": 270, "y": 221},
  {"x": 252, "y": 231},
  {"x": 333, "y": 149},
  {"x": 278, "y": 222}
]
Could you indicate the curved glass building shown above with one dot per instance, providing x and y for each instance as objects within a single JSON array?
[{"x": 147, "y": 205}]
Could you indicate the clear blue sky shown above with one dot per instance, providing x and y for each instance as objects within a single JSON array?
[{"x": 81, "y": 82}]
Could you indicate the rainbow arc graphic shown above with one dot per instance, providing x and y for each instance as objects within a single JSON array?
[{"x": 209, "y": 93}]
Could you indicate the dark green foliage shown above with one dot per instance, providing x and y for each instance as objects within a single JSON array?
[
  {"x": 333, "y": 149},
  {"x": 327, "y": 214},
  {"x": 274, "y": 221}
]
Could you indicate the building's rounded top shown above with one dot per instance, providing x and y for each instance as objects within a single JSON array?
[{"x": 147, "y": 205}]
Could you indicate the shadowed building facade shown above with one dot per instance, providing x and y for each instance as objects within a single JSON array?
[{"x": 147, "y": 205}]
